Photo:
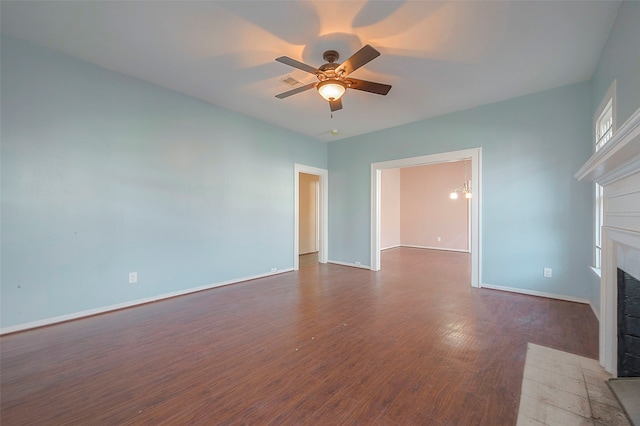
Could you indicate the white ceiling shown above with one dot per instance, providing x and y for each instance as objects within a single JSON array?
[{"x": 439, "y": 57}]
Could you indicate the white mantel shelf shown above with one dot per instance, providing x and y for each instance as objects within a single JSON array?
[{"x": 617, "y": 159}]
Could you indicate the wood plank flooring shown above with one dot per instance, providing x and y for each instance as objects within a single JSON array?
[
  {"x": 309, "y": 259},
  {"x": 327, "y": 345}
]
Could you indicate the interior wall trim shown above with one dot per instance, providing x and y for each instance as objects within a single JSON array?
[
  {"x": 538, "y": 293},
  {"x": 130, "y": 304},
  {"x": 596, "y": 312},
  {"x": 434, "y": 248},
  {"x": 352, "y": 265}
]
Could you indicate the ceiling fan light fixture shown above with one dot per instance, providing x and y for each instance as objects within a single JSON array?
[{"x": 331, "y": 90}]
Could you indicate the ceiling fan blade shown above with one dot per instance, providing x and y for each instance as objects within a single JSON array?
[
  {"x": 335, "y": 105},
  {"x": 297, "y": 64},
  {"x": 369, "y": 86},
  {"x": 296, "y": 90},
  {"x": 358, "y": 59}
]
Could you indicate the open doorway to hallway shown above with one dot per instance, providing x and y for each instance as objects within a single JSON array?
[
  {"x": 308, "y": 215},
  {"x": 311, "y": 232}
]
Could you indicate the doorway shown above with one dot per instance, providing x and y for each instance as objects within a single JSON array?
[
  {"x": 310, "y": 214},
  {"x": 475, "y": 156},
  {"x": 426, "y": 207}
]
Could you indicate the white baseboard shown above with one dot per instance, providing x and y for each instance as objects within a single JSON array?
[
  {"x": 595, "y": 311},
  {"x": 105, "y": 309},
  {"x": 434, "y": 248},
  {"x": 390, "y": 247},
  {"x": 537, "y": 293},
  {"x": 353, "y": 265}
]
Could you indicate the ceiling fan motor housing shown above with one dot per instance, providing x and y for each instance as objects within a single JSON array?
[
  {"x": 330, "y": 56},
  {"x": 333, "y": 77}
]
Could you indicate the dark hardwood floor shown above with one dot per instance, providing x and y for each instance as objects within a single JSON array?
[
  {"x": 308, "y": 259},
  {"x": 411, "y": 344}
]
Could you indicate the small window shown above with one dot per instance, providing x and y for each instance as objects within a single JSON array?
[
  {"x": 599, "y": 221},
  {"x": 604, "y": 126}
]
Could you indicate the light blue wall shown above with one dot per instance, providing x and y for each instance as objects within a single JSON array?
[
  {"x": 535, "y": 213},
  {"x": 620, "y": 61},
  {"x": 104, "y": 174}
]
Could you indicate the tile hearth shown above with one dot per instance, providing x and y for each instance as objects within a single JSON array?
[
  {"x": 562, "y": 389},
  {"x": 627, "y": 390}
]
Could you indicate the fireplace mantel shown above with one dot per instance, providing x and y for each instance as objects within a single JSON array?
[
  {"x": 619, "y": 158},
  {"x": 617, "y": 168}
]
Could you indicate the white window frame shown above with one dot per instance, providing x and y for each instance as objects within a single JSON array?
[{"x": 607, "y": 104}]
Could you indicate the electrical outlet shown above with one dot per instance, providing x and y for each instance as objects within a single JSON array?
[
  {"x": 439, "y": 239},
  {"x": 133, "y": 277},
  {"x": 547, "y": 272},
  {"x": 274, "y": 269},
  {"x": 358, "y": 263}
]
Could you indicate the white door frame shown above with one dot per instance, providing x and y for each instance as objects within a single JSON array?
[
  {"x": 475, "y": 155},
  {"x": 323, "y": 209}
]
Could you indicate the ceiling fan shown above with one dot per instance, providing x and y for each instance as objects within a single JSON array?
[{"x": 333, "y": 78}]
